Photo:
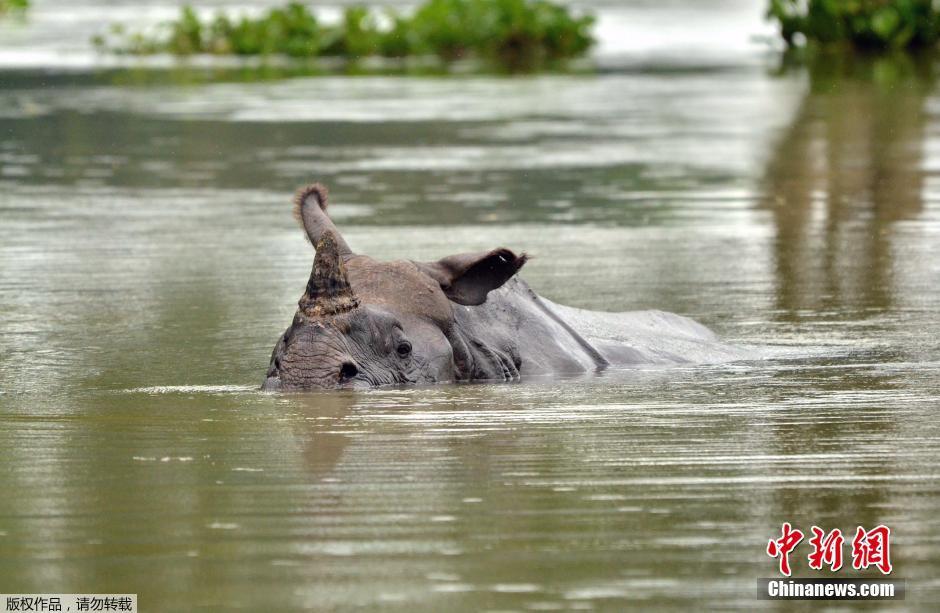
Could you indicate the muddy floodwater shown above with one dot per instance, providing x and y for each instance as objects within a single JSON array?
[{"x": 149, "y": 261}]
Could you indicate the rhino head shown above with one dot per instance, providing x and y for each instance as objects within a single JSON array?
[{"x": 365, "y": 323}]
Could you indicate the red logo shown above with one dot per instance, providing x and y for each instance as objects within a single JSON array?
[
  {"x": 827, "y": 549},
  {"x": 869, "y": 548},
  {"x": 872, "y": 548},
  {"x": 782, "y": 547}
]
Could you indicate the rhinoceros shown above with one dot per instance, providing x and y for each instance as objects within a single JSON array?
[{"x": 364, "y": 323}]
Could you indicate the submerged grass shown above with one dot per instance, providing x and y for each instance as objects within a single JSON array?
[
  {"x": 860, "y": 24},
  {"x": 515, "y": 34}
]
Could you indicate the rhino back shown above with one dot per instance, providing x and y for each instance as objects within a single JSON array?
[
  {"x": 551, "y": 337},
  {"x": 513, "y": 320},
  {"x": 649, "y": 337}
]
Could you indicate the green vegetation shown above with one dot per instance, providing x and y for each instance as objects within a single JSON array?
[
  {"x": 859, "y": 24},
  {"x": 13, "y": 5},
  {"x": 516, "y": 34}
]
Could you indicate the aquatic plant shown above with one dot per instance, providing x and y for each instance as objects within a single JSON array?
[
  {"x": 512, "y": 33},
  {"x": 861, "y": 24},
  {"x": 13, "y": 5},
  {"x": 291, "y": 30}
]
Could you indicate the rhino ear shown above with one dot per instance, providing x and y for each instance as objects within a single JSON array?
[{"x": 467, "y": 278}]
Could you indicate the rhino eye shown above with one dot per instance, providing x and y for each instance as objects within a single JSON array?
[{"x": 403, "y": 349}]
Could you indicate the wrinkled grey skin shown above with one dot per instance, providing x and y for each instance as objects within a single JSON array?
[{"x": 364, "y": 323}]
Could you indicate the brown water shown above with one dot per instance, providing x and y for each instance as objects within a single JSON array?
[{"x": 148, "y": 262}]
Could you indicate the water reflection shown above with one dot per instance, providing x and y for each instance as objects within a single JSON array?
[
  {"x": 320, "y": 430},
  {"x": 850, "y": 166}
]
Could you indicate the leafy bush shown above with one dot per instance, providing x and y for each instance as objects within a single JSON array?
[
  {"x": 506, "y": 31},
  {"x": 356, "y": 36},
  {"x": 13, "y": 5},
  {"x": 291, "y": 30},
  {"x": 513, "y": 33},
  {"x": 864, "y": 24}
]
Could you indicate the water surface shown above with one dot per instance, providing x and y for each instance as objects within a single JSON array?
[{"x": 148, "y": 262}]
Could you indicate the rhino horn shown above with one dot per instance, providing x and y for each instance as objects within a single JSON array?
[{"x": 328, "y": 290}]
